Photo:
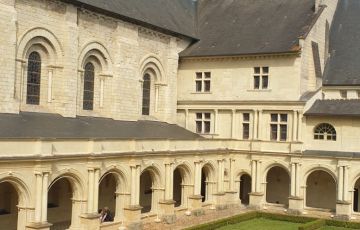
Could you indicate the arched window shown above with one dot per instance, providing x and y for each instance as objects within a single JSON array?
[
  {"x": 88, "y": 98},
  {"x": 33, "y": 79},
  {"x": 325, "y": 132},
  {"x": 146, "y": 95}
]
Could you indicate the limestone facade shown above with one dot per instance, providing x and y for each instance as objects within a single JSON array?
[{"x": 64, "y": 182}]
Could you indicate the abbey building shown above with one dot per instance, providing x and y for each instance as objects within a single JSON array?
[{"x": 159, "y": 108}]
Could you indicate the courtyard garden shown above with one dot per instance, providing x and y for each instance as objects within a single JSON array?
[{"x": 268, "y": 221}]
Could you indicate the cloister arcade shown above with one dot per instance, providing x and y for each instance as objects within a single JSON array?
[{"x": 69, "y": 194}]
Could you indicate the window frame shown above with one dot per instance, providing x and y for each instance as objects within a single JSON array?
[
  {"x": 325, "y": 136},
  {"x": 279, "y": 127},
  {"x": 261, "y": 78},
  {"x": 89, "y": 87},
  {"x": 203, "y": 123},
  {"x": 203, "y": 82},
  {"x": 146, "y": 101},
  {"x": 33, "y": 79},
  {"x": 246, "y": 122}
]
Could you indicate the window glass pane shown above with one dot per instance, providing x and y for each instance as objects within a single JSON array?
[
  {"x": 199, "y": 126},
  {"x": 207, "y": 115},
  {"x": 274, "y": 117},
  {"x": 283, "y": 132},
  {"x": 257, "y": 70},
  {"x": 246, "y": 117},
  {"x": 198, "y": 86},
  {"x": 88, "y": 97},
  {"x": 207, "y": 86},
  {"x": 265, "y": 82},
  {"x": 207, "y": 127},
  {"x": 198, "y": 75},
  {"x": 33, "y": 79},
  {"x": 199, "y": 116},
  {"x": 265, "y": 70},
  {"x": 273, "y": 132},
  {"x": 207, "y": 75},
  {"x": 246, "y": 128},
  {"x": 256, "y": 82},
  {"x": 283, "y": 117},
  {"x": 146, "y": 95}
]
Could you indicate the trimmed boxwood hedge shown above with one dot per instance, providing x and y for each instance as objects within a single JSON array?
[
  {"x": 308, "y": 223},
  {"x": 316, "y": 224},
  {"x": 343, "y": 224}
]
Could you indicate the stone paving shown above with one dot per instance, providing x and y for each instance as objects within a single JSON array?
[{"x": 184, "y": 221}]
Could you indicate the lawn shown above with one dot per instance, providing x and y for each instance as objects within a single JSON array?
[
  {"x": 263, "y": 224},
  {"x": 334, "y": 228}
]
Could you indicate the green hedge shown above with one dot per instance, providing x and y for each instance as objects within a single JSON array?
[
  {"x": 224, "y": 222},
  {"x": 284, "y": 217},
  {"x": 316, "y": 224},
  {"x": 343, "y": 224}
]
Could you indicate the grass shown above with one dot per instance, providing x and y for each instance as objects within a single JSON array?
[
  {"x": 334, "y": 228},
  {"x": 263, "y": 224}
]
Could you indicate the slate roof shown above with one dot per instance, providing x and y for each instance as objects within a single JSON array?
[
  {"x": 39, "y": 125},
  {"x": 174, "y": 16},
  {"x": 343, "y": 67},
  {"x": 344, "y": 108},
  {"x": 240, "y": 27}
]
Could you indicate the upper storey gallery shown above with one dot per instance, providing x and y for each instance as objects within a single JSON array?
[{"x": 115, "y": 59}]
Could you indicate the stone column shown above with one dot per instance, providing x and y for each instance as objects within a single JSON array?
[
  {"x": 196, "y": 199},
  {"x": 255, "y": 125},
  {"x": 260, "y": 122},
  {"x": 45, "y": 184},
  {"x": 293, "y": 180},
  {"x": 216, "y": 121},
  {"x": 186, "y": 119},
  {"x": 253, "y": 176},
  {"x": 220, "y": 182},
  {"x": 167, "y": 206},
  {"x": 132, "y": 213},
  {"x": 157, "y": 89},
  {"x": 96, "y": 190},
  {"x": 38, "y": 197},
  {"x": 300, "y": 117},
  {"x": 50, "y": 80},
  {"x": 90, "y": 205},
  {"x": 102, "y": 83},
  {"x": 295, "y": 126},
  {"x": 258, "y": 176},
  {"x": 233, "y": 116},
  {"x": 341, "y": 183},
  {"x": 343, "y": 206}
]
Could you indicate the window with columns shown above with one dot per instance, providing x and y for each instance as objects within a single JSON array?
[
  {"x": 246, "y": 126},
  {"x": 33, "y": 79},
  {"x": 89, "y": 78},
  {"x": 278, "y": 127},
  {"x": 203, "y": 123}
]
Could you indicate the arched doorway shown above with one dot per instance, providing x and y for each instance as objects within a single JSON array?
[
  {"x": 181, "y": 183},
  {"x": 356, "y": 200},
  {"x": 245, "y": 189},
  {"x": 149, "y": 192},
  {"x": 60, "y": 204},
  {"x": 321, "y": 190},
  {"x": 207, "y": 183},
  {"x": 9, "y": 200},
  {"x": 107, "y": 193},
  {"x": 177, "y": 188},
  {"x": 277, "y": 186}
]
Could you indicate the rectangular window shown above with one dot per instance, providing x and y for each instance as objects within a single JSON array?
[
  {"x": 203, "y": 82},
  {"x": 278, "y": 127},
  {"x": 261, "y": 77},
  {"x": 203, "y": 123},
  {"x": 246, "y": 126}
]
